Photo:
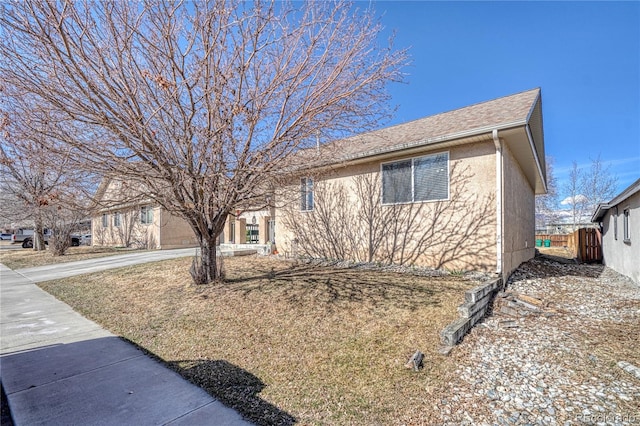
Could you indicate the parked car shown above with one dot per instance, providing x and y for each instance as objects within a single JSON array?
[
  {"x": 28, "y": 242},
  {"x": 5, "y": 236},
  {"x": 85, "y": 240},
  {"x": 21, "y": 235}
]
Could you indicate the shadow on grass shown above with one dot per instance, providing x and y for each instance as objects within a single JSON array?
[
  {"x": 234, "y": 387},
  {"x": 326, "y": 287}
]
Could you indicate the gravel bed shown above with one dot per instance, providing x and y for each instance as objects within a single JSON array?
[{"x": 558, "y": 365}]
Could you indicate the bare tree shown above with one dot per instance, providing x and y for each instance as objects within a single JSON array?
[
  {"x": 547, "y": 204},
  {"x": 599, "y": 184},
  {"x": 574, "y": 197},
  {"x": 44, "y": 187},
  {"x": 199, "y": 102},
  {"x": 585, "y": 189}
]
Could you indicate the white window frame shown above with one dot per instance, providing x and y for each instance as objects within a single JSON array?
[
  {"x": 105, "y": 220},
  {"x": 146, "y": 215},
  {"x": 307, "y": 189},
  {"x": 626, "y": 236},
  {"x": 413, "y": 189},
  {"x": 117, "y": 219}
]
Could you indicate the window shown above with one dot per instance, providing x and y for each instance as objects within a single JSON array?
[
  {"x": 306, "y": 194},
  {"x": 418, "y": 179},
  {"x": 615, "y": 224},
  {"x": 146, "y": 215},
  {"x": 117, "y": 219},
  {"x": 105, "y": 220},
  {"x": 627, "y": 234}
]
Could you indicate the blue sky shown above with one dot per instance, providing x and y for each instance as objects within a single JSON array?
[{"x": 584, "y": 55}]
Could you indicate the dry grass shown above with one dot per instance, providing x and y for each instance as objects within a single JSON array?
[
  {"x": 280, "y": 341},
  {"x": 557, "y": 253},
  {"x": 27, "y": 258}
]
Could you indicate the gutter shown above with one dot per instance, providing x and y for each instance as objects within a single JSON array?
[
  {"x": 439, "y": 139},
  {"x": 430, "y": 143},
  {"x": 498, "y": 144},
  {"x": 535, "y": 156},
  {"x": 499, "y": 178}
]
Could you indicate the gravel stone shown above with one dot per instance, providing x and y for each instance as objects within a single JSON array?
[{"x": 547, "y": 371}]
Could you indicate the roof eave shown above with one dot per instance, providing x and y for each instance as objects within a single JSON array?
[{"x": 601, "y": 210}]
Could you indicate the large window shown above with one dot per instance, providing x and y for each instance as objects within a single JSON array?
[
  {"x": 417, "y": 179},
  {"x": 146, "y": 215},
  {"x": 627, "y": 233},
  {"x": 306, "y": 194},
  {"x": 117, "y": 219}
]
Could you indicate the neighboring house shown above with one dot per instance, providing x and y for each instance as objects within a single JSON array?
[
  {"x": 124, "y": 218},
  {"x": 620, "y": 221},
  {"x": 454, "y": 190}
]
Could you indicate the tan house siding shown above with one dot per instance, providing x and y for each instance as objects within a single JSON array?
[
  {"x": 174, "y": 231},
  {"x": 456, "y": 234},
  {"x": 119, "y": 200},
  {"x": 518, "y": 213}
]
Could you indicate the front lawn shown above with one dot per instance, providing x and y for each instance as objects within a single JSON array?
[{"x": 282, "y": 341}]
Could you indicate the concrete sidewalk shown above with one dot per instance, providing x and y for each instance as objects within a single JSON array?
[{"x": 59, "y": 368}]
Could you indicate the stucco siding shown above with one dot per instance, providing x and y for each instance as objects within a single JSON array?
[
  {"x": 455, "y": 234},
  {"x": 130, "y": 232},
  {"x": 518, "y": 213},
  {"x": 174, "y": 232},
  {"x": 123, "y": 225},
  {"x": 618, "y": 254}
]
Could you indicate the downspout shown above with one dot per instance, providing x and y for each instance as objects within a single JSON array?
[{"x": 497, "y": 143}]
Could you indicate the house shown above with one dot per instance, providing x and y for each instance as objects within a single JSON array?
[
  {"x": 621, "y": 231},
  {"x": 454, "y": 190},
  {"x": 125, "y": 218}
]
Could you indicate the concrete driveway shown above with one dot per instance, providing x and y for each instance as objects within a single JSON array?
[
  {"x": 59, "y": 368},
  {"x": 70, "y": 269}
]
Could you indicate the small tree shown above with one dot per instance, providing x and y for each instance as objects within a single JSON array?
[
  {"x": 585, "y": 189},
  {"x": 200, "y": 103},
  {"x": 599, "y": 184},
  {"x": 547, "y": 204},
  {"x": 41, "y": 183}
]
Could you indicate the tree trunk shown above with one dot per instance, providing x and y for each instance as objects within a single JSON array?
[
  {"x": 38, "y": 237},
  {"x": 209, "y": 266}
]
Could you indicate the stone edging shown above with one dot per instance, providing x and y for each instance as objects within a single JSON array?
[{"x": 477, "y": 301}]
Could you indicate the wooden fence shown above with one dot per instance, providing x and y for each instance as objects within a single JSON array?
[
  {"x": 556, "y": 240},
  {"x": 585, "y": 243}
]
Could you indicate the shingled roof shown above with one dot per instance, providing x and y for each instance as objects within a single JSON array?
[{"x": 502, "y": 113}]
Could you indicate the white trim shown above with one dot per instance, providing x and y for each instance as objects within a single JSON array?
[
  {"x": 306, "y": 189},
  {"x": 535, "y": 156},
  {"x": 413, "y": 201},
  {"x": 626, "y": 225},
  {"x": 498, "y": 144}
]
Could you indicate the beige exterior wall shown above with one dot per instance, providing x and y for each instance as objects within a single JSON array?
[
  {"x": 518, "y": 213},
  {"x": 457, "y": 234},
  {"x": 166, "y": 231},
  {"x": 130, "y": 233},
  {"x": 174, "y": 232},
  {"x": 620, "y": 254}
]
